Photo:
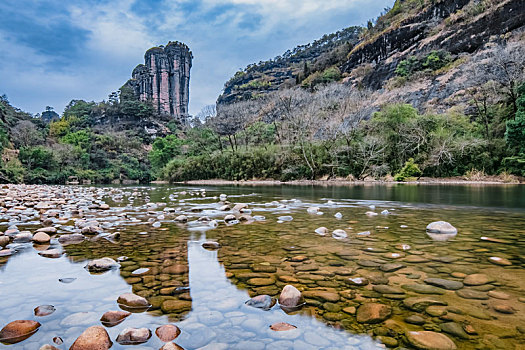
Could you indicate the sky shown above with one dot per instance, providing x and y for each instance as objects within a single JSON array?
[{"x": 53, "y": 51}]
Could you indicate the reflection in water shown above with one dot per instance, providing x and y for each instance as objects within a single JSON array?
[{"x": 386, "y": 259}]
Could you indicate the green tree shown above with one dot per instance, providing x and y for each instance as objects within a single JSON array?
[{"x": 163, "y": 150}]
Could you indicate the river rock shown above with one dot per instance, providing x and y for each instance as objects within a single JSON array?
[
  {"x": 373, "y": 313},
  {"x": 181, "y": 218},
  {"x": 264, "y": 302},
  {"x": 441, "y": 227},
  {"x": 472, "y": 294},
  {"x": 93, "y": 338},
  {"x": 322, "y": 231},
  {"x": 427, "y": 340},
  {"x": 167, "y": 332},
  {"x": 4, "y": 240},
  {"x": 41, "y": 238},
  {"x": 48, "y": 347},
  {"x": 498, "y": 295},
  {"x": 499, "y": 261},
  {"x": 444, "y": 283},
  {"x": 73, "y": 238},
  {"x": 282, "y": 327},
  {"x": 357, "y": 281},
  {"x": 415, "y": 319},
  {"x": 339, "y": 234},
  {"x": 386, "y": 289},
  {"x": 477, "y": 279},
  {"x": 230, "y": 218},
  {"x": 130, "y": 336},
  {"x": 423, "y": 289},
  {"x": 132, "y": 300},
  {"x": 211, "y": 245},
  {"x": 454, "y": 329},
  {"x": 113, "y": 318},
  {"x": 23, "y": 237},
  {"x": 503, "y": 308},
  {"x": 176, "y": 306},
  {"x": 419, "y": 304},
  {"x": 44, "y": 310},
  {"x": 101, "y": 265},
  {"x": 18, "y": 331},
  {"x": 391, "y": 267},
  {"x": 322, "y": 295},
  {"x": 240, "y": 206},
  {"x": 51, "y": 253},
  {"x": 171, "y": 346},
  {"x": 290, "y": 296}
]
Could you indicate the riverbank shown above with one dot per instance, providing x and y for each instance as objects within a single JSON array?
[{"x": 489, "y": 180}]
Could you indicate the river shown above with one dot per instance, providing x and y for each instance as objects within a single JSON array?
[{"x": 384, "y": 258}]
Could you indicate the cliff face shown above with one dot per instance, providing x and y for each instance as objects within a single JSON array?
[
  {"x": 164, "y": 79},
  {"x": 428, "y": 31},
  {"x": 463, "y": 30}
]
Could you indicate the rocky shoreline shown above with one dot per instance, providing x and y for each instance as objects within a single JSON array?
[{"x": 342, "y": 182}]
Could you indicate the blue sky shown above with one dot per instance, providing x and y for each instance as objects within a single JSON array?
[{"x": 53, "y": 51}]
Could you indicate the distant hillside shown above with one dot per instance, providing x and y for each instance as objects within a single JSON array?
[
  {"x": 292, "y": 67},
  {"x": 428, "y": 41}
]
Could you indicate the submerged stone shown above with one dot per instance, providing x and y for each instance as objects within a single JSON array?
[{"x": 373, "y": 313}]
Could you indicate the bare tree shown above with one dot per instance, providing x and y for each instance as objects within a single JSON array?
[{"x": 26, "y": 134}]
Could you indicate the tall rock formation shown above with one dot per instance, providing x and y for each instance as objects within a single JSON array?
[{"x": 164, "y": 79}]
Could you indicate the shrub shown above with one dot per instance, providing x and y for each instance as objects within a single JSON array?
[{"x": 409, "y": 170}]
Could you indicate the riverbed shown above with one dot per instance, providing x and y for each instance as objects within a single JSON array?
[{"x": 369, "y": 274}]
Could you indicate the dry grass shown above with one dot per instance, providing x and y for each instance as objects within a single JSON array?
[{"x": 475, "y": 175}]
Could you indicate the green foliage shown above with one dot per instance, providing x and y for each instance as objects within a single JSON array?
[
  {"x": 409, "y": 170},
  {"x": 80, "y": 139},
  {"x": 329, "y": 75},
  {"x": 164, "y": 149},
  {"x": 256, "y": 85},
  {"x": 434, "y": 61},
  {"x": 515, "y": 133}
]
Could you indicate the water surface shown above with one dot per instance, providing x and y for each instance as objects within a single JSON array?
[{"x": 208, "y": 289}]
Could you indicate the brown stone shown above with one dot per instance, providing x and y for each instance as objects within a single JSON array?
[
  {"x": 133, "y": 336},
  {"x": 282, "y": 326},
  {"x": 113, "y": 318},
  {"x": 322, "y": 295},
  {"x": 17, "y": 331},
  {"x": 167, "y": 332},
  {"x": 171, "y": 346},
  {"x": 176, "y": 306},
  {"x": 44, "y": 310},
  {"x": 41, "y": 238},
  {"x": 93, "y": 338},
  {"x": 427, "y": 340},
  {"x": 373, "y": 313},
  {"x": 132, "y": 300}
]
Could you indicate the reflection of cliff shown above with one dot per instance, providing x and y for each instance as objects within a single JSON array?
[
  {"x": 164, "y": 78},
  {"x": 156, "y": 267}
]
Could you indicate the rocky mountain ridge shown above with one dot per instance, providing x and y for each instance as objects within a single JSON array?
[{"x": 457, "y": 33}]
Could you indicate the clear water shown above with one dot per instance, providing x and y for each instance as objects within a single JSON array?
[{"x": 216, "y": 284}]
